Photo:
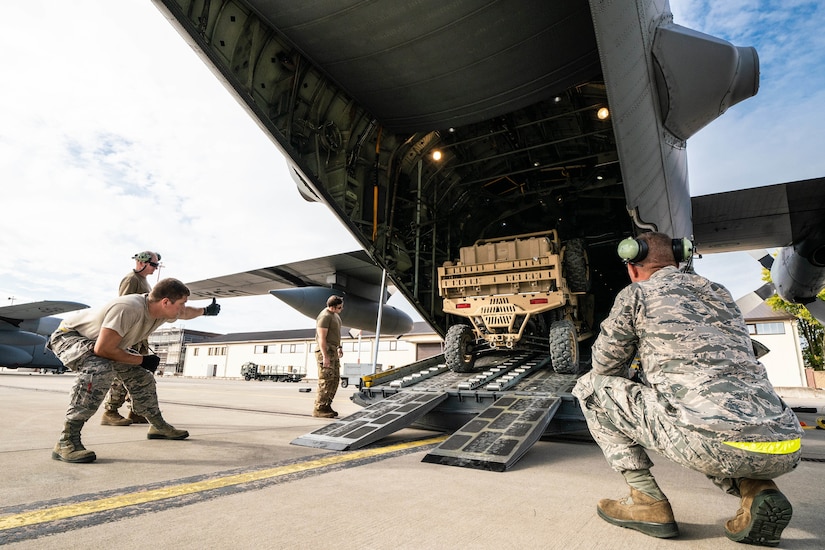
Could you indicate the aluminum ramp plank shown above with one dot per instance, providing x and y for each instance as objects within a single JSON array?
[
  {"x": 374, "y": 422},
  {"x": 499, "y": 435}
]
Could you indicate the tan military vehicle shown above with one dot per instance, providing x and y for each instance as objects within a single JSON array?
[{"x": 521, "y": 292}]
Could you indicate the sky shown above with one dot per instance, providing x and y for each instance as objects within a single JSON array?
[{"x": 116, "y": 138}]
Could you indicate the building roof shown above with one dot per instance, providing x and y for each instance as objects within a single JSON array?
[{"x": 764, "y": 312}]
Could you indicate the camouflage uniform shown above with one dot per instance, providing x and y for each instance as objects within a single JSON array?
[
  {"x": 329, "y": 378},
  {"x": 699, "y": 397},
  {"x": 95, "y": 375}
]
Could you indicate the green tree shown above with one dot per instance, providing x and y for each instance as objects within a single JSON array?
[{"x": 812, "y": 331}]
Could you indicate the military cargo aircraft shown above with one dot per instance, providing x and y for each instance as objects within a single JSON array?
[
  {"x": 570, "y": 115},
  {"x": 427, "y": 126},
  {"x": 24, "y": 329}
]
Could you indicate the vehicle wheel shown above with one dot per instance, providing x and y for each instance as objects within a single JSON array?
[
  {"x": 458, "y": 348},
  {"x": 564, "y": 347},
  {"x": 344, "y": 382},
  {"x": 576, "y": 266},
  {"x": 247, "y": 377}
]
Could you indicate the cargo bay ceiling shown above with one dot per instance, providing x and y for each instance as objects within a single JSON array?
[{"x": 363, "y": 96}]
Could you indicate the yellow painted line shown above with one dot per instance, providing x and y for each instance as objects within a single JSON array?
[{"x": 105, "y": 504}]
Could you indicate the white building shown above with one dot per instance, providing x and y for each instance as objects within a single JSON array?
[
  {"x": 223, "y": 356},
  {"x": 778, "y": 331}
]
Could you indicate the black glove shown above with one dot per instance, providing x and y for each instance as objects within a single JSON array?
[
  {"x": 212, "y": 309},
  {"x": 150, "y": 362}
]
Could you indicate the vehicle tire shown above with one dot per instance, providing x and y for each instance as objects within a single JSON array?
[
  {"x": 576, "y": 266},
  {"x": 458, "y": 348},
  {"x": 344, "y": 382},
  {"x": 247, "y": 377},
  {"x": 564, "y": 347}
]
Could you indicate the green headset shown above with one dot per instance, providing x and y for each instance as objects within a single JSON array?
[
  {"x": 633, "y": 251},
  {"x": 145, "y": 256}
]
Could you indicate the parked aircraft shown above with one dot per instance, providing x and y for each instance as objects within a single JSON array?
[{"x": 24, "y": 329}]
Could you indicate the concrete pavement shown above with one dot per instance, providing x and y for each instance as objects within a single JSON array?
[{"x": 238, "y": 483}]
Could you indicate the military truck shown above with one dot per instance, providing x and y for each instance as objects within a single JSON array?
[
  {"x": 527, "y": 291},
  {"x": 276, "y": 373}
]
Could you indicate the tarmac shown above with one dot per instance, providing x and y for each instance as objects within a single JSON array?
[{"x": 238, "y": 483}]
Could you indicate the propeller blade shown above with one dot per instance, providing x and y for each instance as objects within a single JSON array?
[
  {"x": 817, "y": 309},
  {"x": 763, "y": 257},
  {"x": 751, "y": 301}
]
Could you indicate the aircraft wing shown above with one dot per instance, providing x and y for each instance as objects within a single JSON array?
[
  {"x": 35, "y": 310},
  {"x": 763, "y": 217},
  {"x": 352, "y": 272},
  {"x": 305, "y": 286}
]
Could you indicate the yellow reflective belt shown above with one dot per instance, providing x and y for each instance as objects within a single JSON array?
[{"x": 768, "y": 447}]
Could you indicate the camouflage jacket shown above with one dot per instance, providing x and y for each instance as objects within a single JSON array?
[{"x": 695, "y": 352}]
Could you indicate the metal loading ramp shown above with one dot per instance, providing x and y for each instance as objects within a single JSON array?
[
  {"x": 498, "y": 436},
  {"x": 374, "y": 422}
]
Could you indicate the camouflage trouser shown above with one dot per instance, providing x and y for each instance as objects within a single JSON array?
[
  {"x": 117, "y": 395},
  {"x": 95, "y": 375},
  {"x": 626, "y": 417},
  {"x": 117, "y": 392},
  {"x": 328, "y": 379}
]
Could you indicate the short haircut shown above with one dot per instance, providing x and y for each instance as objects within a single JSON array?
[
  {"x": 659, "y": 250},
  {"x": 334, "y": 301},
  {"x": 168, "y": 288}
]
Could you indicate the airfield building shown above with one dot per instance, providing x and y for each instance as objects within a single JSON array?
[{"x": 223, "y": 356}]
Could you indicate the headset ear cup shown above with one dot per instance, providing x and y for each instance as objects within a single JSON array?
[
  {"x": 144, "y": 256},
  {"x": 682, "y": 249},
  {"x": 632, "y": 250}
]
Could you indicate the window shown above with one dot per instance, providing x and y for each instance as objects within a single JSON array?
[
  {"x": 293, "y": 348},
  {"x": 195, "y": 353},
  {"x": 766, "y": 328},
  {"x": 261, "y": 349}
]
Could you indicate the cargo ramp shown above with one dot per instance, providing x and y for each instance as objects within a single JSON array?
[{"x": 502, "y": 423}]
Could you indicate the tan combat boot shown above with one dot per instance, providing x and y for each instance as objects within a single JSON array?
[
  {"x": 136, "y": 418},
  {"x": 327, "y": 408},
  {"x": 113, "y": 418},
  {"x": 69, "y": 448},
  {"x": 160, "y": 429},
  {"x": 324, "y": 412},
  {"x": 763, "y": 513},
  {"x": 640, "y": 512}
]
